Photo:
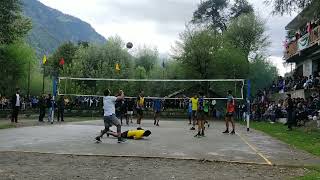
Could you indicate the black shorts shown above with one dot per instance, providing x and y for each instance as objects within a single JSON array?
[
  {"x": 229, "y": 114},
  {"x": 194, "y": 114},
  {"x": 201, "y": 115},
  {"x": 140, "y": 112}
]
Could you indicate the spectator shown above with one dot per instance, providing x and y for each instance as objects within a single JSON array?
[
  {"x": 61, "y": 105},
  {"x": 16, "y": 104},
  {"x": 42, "y": 107}
]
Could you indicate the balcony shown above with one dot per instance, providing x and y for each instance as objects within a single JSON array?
[{"x": 305, "y": 42}]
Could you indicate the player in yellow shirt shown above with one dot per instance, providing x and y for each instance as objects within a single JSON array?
[
  {"x": 132, "y": 134},
  {"x": 140, "y": 107},
  {"x": 194, "y": 104}
]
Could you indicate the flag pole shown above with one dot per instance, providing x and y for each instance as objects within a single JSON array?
[{"x": 44, "y": 68}]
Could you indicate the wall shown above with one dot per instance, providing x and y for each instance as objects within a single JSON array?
[{"x": 307, "y": 67}]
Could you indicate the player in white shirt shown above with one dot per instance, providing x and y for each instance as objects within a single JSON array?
[{"x": 109, "y": 115}]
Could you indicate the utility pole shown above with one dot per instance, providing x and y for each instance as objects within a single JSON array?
[{"x": 29, "y": 79}]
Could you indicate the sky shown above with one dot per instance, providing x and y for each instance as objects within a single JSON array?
[{"x": 158, "y": 23}]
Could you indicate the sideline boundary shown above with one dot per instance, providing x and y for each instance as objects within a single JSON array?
[{"x": 255, "y": 150}]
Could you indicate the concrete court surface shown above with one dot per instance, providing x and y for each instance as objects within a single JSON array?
[{"x": 172, "y": 139}]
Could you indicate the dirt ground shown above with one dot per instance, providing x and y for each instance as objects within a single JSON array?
[{"x": 27, "y": 166}]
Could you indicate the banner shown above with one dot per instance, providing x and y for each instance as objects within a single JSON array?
[{"x": 303, "y": 42}]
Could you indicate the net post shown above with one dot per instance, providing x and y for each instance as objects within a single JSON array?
[
  {"x": 248, "y": 104},
  {"x": 54, "y": 93}
]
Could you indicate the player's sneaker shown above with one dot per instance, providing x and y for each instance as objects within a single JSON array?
[
  {"x": 233, "y": 132},
  {"x": 198, "y": 135},
  {"x": 121, "y": 140},
  {"x": 192, "y": 128},
  {"x": 98, "y": 140},
  {"x": 226, "y": 132},
  {"x": 202, "y": 134}
]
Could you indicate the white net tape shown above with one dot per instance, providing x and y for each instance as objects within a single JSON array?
[{"x": 236, "y": 85}]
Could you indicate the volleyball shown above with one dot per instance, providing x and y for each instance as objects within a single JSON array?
[{"x": 129, "y": 45}]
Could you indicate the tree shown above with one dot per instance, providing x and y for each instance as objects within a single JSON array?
[
  {"x": 14, "y": 25},
  {"x": 67, "y": 52},
  {"x": 196, "y": 51},
  {"x": 286, "y": 7},
  {"x": 211, "y": 13},
  {"x": 147, "y": 58},
  {"x": 262, "y": 73},
  {"x": 14, "y": 60},
  {"x": 247, "y": 32},
  {"x": 241, "y": 7}
]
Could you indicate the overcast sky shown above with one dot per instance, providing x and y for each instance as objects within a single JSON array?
[{"x": 158, "y": 23}]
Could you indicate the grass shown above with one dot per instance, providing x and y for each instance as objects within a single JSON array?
[
  {"x": 307, "y": 139},
  {"x": 6, "y": 126},
  {"x": 314, "y": 174}
]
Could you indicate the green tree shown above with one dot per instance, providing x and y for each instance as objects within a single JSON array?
[
  {"x": 286, "y": 7},
  {"x": 212, "y": 14},
  {"x": 147, "y": 58},
  {"x": 13, "y": 25},
  {"x": 247, "y": 32},
  {"x": 14, "y": 60},
  {"x": 241, "y": 7},
  {"x": 262, "y": 73},
  {"x": 196, "y": 51},
  {"x": 67, "y": 52}
]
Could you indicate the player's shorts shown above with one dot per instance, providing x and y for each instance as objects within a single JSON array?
[
  {"x": 157, "y": 111},
  {"x": 201, "y": 115},
  {"x": 110, "y": 121},
  {"x": 229, "y": 114},
  {"x": 140, "y": 112},
  {"x": 130, "y": 112},
  {"x": 194, "y": 114}
]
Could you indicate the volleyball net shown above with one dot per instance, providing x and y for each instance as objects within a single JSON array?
[{"x": 153, "y": 88}]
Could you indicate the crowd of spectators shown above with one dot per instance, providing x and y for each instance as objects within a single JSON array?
[
  {"x": 303, "y": 109},
  {"x": 295, "y": 83}
]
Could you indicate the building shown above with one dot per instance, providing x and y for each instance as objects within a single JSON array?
[{"x": 302, "y": 46}]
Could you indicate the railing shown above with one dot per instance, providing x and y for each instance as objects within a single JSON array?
[
  {"x": 315, "y": 36},
  {"x": 291, "y": 50},
  {"x": 304, "y": 42}
]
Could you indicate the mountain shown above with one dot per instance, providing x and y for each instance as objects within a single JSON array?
[{"x": 51, "y": 28}]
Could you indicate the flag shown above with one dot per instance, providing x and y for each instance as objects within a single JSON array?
[
  {"x": 44, "y": 60},
  {"x": 61, "y": 63},
  {"x": 117, "y": 67}
]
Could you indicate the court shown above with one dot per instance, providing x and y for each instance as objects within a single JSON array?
[{"x": 172, "y": 140}]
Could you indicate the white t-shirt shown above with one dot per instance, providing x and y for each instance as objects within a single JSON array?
[
  {"x": 109, "y": 103},
  {"x": 18, "y": 100}
]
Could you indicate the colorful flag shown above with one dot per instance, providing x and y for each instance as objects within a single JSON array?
[
  {"x": 44, "y": 60},
  {"x": 61, "y": 63},
  {"x": 117, "y": 67}
]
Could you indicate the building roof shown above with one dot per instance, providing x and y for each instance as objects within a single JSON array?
[{"x": 306, "y": 15}]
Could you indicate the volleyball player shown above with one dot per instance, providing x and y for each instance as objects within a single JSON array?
[
  {"x": 109, "y": 114},
  {"x": 201, "y": 115},
  {"x": 230, "y": 113},
  {"x": 140, "y": 107},
  {"x": 132, "y": 134},
  {"x": 194, "y": 103},
  {"x": 157, "y": 106}
]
